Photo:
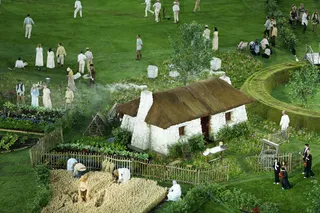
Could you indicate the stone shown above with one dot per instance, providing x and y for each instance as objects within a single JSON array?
[
  {"x": 152, "y": 71},
  {"x": 215, "y": 64},
  {"x": 174, "y": 74}
]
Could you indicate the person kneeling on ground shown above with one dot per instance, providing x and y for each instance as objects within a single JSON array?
[
  {"x": 79, "y": 169},
  {"x": 121, "y": 175},
  {"x": 267, "y": 52},
  {"x": 255, "y": 48},
  {"x": 174, "y": 193},
  {"x": 84, "y": 189},
  {"x": 20, "y": 64},
  {"x": 70, "y": 164}
]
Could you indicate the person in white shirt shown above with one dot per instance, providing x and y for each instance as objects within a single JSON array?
[
  {"x": 267, "y": 52},
  {"x": 174, "y": 193},
  {"x": 176, "y": 10},
  {"x": 89, "y": 57},
  {"x": 157, "y": 8},
  {"x": 148, "y": 6},
  {"x": 206, "y": 32},
  {"x": 304, "y": 20},
  {"x": 20, "y": 64},
  {"x": 28, "y": 22},
  {"x": 264, "y": 42},
  {"x": 81, "y": 61},
  {"x": 78, "y": 7},
  {"x": 122, "y": 175},
  {"x": 284, "y": 123},
  {"x": 139, "y": 47},
  {"x": 20, "y": 92}
]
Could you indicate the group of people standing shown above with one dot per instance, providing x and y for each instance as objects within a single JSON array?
[
  {"x": 60, "y": 54},
  {"x": 301, "y": 15},
  {"x": 215, "y": 40}
]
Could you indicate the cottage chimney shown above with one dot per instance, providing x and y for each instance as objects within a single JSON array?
[{"x": 146, "y": 101}]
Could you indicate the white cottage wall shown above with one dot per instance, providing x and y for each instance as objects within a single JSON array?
[
  {"x": 217, "y": 122},
  {"x": 238, "y": 115},
  {"x": 128, "y": 123}
]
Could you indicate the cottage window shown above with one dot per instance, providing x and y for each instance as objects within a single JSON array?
[
  {"x": 228, "y": 117},
  {"x": 181, "y": 131}
]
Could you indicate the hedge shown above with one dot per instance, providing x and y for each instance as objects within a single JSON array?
[{"x": 260, "y": 85}]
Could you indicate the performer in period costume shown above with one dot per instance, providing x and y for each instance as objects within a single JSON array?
[
  {"x": 215, "y": 41},
  {"x": 69, "y": 98},
  {"x": 71, "y": 83},
  {"x": 176, "y": 10},
  {"x": 20, "y": 64},
  {"x": 264, "y": 42},
  {"x": 20, "y": 92},
  {"x": 139, "y": 47},
  {"x": 46, "y": 97},
  {"x": 148, "y": 6},
  {"x": 39, "y": 56},
  {"x": 122, "y": 175},
  {"x": 157, "y": 8},
  {"x": 196, "y": 6},
  {"x": 70, "y": 164},
  {"x": 34, "y": 96},
  {"x": 28, "y": 22},
  {"x": 79, "y": 169},
  {"x": 285, "y": 179},
  {"x": 84, "y": 189},
  {"x": 92, "y": 75},
  {"x": 304, "y": 20},
  {"x": 60, "y": 54},
  {"x": 267, "y": 26},
  {"x": 78, "y": 8},
  {"x": 276, "y": 169},
  {"x": 89, "y": 57},
  {"x": 284, "y": 123},
  {"x": 315, "y": 19},
  {"x": 81, "y": 61},
  {"x": 308, "y": 165},
  {"x": 304, "y": 156},
  {"x": 50, "y": 59},
  {"x": 174, "y": 193},
  {"x": 206, "y": 33}
]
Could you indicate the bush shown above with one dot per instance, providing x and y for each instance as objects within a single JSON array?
[
  {"x": 237, "y": 130},
  {"x": 121, "y": 136},
  {"x": 196, "y": 143},
  {"x": 8, "y": 140},
  {"x": 175, "y": 150}
]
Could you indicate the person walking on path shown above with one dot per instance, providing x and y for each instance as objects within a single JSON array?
[
  {"x": 78, "y": 8},
  {"x": 20, "y": 92},
  {"x": 148, "y": 6},
  {"x": 89, "y": 56},
  {"x": 215, "y": 41},
  {"x": 176, "y": 10},
  {"x": 81, "y": 61},
  {"x": 50, "y": 59},
  {"x": 39, "y": 57},
  {"x": 157, "y": 8},
  {"x": 315, "y": 19},
  {"x": 60, "y": 54},
  {"x": 196, "y": 6},
  {"x": 27, "y": 23},
  {"x": 284, "y": 124},
  {"x": 139, "y": 47}
]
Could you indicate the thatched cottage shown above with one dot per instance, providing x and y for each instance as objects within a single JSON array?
[{"x": 158, "y": 120}]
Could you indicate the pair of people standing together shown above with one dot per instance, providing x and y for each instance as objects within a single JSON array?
[{"x": 60, "y": 54}]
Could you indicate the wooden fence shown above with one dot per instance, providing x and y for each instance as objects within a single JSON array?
[
  {"x": 58, "y": 160},
  {"x": 45, "y": 144},
  {"x": 260, "y": 163}
]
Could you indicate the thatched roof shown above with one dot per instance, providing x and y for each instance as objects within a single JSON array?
[{"x": 189, "y": 102}]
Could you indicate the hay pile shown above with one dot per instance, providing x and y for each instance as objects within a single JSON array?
[{"x": 135, "y": 196}]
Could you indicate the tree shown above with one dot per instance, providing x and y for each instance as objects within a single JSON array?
[
  {"x": 191, "y": 51},
  {"x": 303, "y": 84}
]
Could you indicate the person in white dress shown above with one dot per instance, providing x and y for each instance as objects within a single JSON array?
[
  {"x": 206, "y": 32},
  {"x": 39, "y": 56},
  {"x": 157, "y": 8},
  {"x": 284, "y": 123},
  {"x": 34, "y": 96},
  {"x": 50, "y": 59},
  {"x": 215, "y": 41},
  {"x": 148, "y": 6},
  {"x": 78, "y": 7},
  {"x": 174, "y": 193},
  {"x": 46, "y": 97}
]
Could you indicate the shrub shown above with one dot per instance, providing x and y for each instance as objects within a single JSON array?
[
  {"x": 121, "y": 136},
  {"x": 237, "y": 130},
  {"x": 8, "y": 140},
  {"x": 175, "y": 150},
  {"x": 196, "y": 143}
]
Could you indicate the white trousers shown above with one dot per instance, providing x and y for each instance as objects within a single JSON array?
[
  {"x": 81, "y": 66},
  {"x": 176, "y": 16},
  {"x": 76, "y": 11},
  {"x": 28, "y": 31},
  {"x": 157, "y": 15},
  {"x": 60, "y": 59},
  {"x": 148, "y": 6}
]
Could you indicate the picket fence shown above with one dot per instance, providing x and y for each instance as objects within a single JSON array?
[{"x": 139, "y": 168}]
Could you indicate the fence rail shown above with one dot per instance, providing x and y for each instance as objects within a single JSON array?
[{"x": 58, "y": 160}]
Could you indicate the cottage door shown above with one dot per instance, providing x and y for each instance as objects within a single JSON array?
[{"x": 205, "y": 124}]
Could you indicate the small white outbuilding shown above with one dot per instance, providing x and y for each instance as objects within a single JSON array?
[{"x": 158, "y": 120}]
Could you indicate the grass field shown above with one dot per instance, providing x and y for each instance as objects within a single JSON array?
[{"x": 109, "y": 28}]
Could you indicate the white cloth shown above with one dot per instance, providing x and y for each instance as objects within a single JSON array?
[
  {"x": 304, "y": 19},
  {"x": 46, "y": 98},
  {"x": 124, "y": 175},
  {"x": 174, "y": 192},
  {"x": 39, "y": 57},
  {"x": 70, "y": 163},
  {"x": 50, "y": 59},
  {"x": 139, "y": 44},
  {"x": 284, "y": 123},
  {"x": 215, "y": 41},
  {"x": 206, "y": 33},
  {"x": 264, "y": 42},
  {"x": 19, "y": 64},
  {"x": 34, "y": 95}
]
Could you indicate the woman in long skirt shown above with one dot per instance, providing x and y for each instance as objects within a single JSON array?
[
  {"x": 46, "y": 97},
  {"x": 215, "y": 41},
  {"x": 285, "y": 180},
  {"x": 34, "y": 95},
  {"x": 50, "y": 59},
  {"x": 39, "y": 56},
  {"x": 71, "y": 83}
]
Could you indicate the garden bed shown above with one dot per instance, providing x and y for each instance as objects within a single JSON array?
[{"x": 12, "y": 142}]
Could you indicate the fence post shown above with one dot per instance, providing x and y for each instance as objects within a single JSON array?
[{"x": 198, "y": 177}]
